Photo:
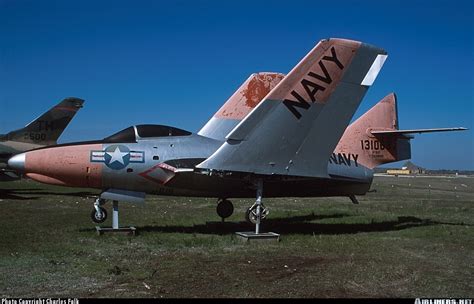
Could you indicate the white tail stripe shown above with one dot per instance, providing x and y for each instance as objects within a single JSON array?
[{"x": 374, "y": 70}]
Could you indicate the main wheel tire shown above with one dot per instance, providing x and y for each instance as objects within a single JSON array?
[
  {"x": 225, "y": 208},
  {"x": 250, "y": 217},
  {"x": 99, "y": 218}
]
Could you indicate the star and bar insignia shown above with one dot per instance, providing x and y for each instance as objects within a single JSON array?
[{"x": 117, "y": 157}]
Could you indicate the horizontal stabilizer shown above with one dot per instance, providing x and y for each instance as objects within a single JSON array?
[
  {"x": 374, "y": 138},
  {"x": 402, "y": 132}
]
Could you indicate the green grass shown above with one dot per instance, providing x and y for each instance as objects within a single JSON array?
[{"x": 407, "y": 239}]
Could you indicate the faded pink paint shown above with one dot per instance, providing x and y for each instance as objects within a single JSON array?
[
  {"x": 382, "y": 116},
  {"x": 345, "y": 50},
  {"x": 249, "y": 95},
  {"x": 46, "y": 179},
  {"x": 65, "y": 166}
]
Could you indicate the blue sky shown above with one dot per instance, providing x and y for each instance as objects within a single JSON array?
[{"x": 176, "y": 62}]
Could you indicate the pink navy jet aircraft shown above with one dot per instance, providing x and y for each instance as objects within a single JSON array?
[{"x": 276, "y": 136}]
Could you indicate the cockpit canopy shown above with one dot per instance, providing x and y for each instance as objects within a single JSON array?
[{"x": 131, "y": 134}]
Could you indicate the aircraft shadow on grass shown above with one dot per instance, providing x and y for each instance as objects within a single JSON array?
[
  {"x": 19, "y": 194},
  {"x": 300, "y": 225}
]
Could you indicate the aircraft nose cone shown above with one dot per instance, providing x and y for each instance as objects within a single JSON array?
[{"x": 17, "y": 162}]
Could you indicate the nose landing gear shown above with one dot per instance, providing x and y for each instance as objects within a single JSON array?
[{"x": 99, "y": 214}]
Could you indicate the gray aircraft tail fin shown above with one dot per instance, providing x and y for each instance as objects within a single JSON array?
[
  {"x": 46, "y": 129},
  {"x": 296, "y": 127}
]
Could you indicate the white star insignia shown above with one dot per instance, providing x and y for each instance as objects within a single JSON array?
[{"x": 117, "y": 155}]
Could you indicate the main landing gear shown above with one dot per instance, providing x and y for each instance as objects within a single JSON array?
[
  {"x": 251, "y": 213},
  {"x": 225, "y": 208},
  {"x": 255, "y": 214}
]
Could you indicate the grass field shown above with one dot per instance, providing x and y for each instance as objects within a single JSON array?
[{"x": 412, "y": 237}]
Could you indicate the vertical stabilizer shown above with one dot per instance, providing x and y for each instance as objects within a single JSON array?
[
  {"x": 46, "y": 129},
  {"x": 239, "y": 105},
  {"x": 296, "y": 127}
]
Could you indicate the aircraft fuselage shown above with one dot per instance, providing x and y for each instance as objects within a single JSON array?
[{"x": 166, "y": 166}]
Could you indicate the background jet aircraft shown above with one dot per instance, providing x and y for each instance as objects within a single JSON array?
[
  {"x": 277, "y": 136},
  {"x": 43, "y": 131}
]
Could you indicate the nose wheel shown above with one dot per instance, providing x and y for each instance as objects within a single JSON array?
[{"x": 99, "y": 214}]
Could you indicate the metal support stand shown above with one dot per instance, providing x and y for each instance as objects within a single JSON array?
[
  {"x": 257, "y": 235},
  {"x": 115, "y": 216},
  {"x": 259, "y": 205},
  {"x": 115, "y": 224}
]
